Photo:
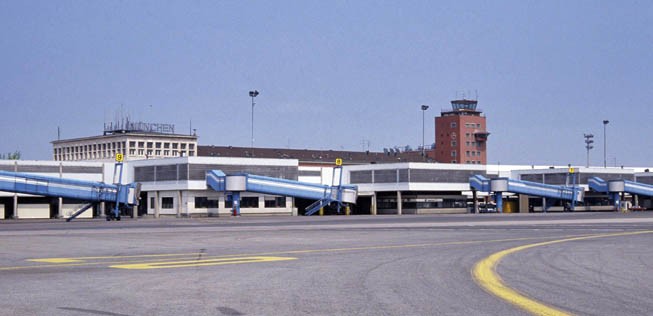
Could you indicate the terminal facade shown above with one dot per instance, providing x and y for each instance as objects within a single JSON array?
[
  {"x": 177, "y": 186},
  {"x": 172, "y": 170}
]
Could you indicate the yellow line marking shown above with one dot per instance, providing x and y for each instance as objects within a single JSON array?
[
  {"x": 82, "y": 261},
  {"x": 485, "y": 275},
  {"x": 198, "y": 263}
]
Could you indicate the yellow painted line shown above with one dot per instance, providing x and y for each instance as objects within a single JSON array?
[
  {"x": 198, "y": 263},
  {"x": 485, "y": 275},
  {"x": 81, "y": 259},
  {"x": 84, "y": 261}
]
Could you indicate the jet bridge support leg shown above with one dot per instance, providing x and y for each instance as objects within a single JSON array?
[
  {"x": 498, "y": 197},
  {"x": 235, "y": 197}
]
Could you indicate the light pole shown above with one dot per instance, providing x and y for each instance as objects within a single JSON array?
[
  {"x": 253, "y": 94},
  {"x": 605, "y": 161},
  {"x": 424, "y": 108},
  {"x": 588, "y": 145}
]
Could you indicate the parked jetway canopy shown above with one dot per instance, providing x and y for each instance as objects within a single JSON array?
[
  {"x": 241, "y": 182},
  {"x": 499, "y": 185},
  {"x": 88, "y": 191}
]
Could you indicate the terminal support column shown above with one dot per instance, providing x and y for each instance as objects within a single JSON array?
[
  {"x": 60, "y": 208},
  {"x": 156, "y": 204},
  {"x": 179, "y": 204},
  {"x": 399, "y": 206},
  {"x": 373, "y": 210}
]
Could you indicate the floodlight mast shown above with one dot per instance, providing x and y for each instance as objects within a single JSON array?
[
  {"x": 588, "y": 145},
  {"x": 253, "y": 94},
  {"x": 424, "y": 108}
]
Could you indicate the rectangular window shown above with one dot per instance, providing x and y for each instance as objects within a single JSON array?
[
  {"x": 249, "y": 202},
  {"x": 167, "y": 202},
  {"x": 453, "y": 124},
  {"x": 151, "y": 203},
  {"x": 453, "y": 143},
  {"x": 166, "y": 153},
  {"x": 453, "y": 153},
  {"x": 132, "y": 144},
  {"x": 174, "y": 145},
  {"x": 157, "y": 152},
  {"x": 204, "y": 202},
  {"x": 183, "y": 146},
  {"x": 478, "y": 153},
  {"x": 141, "y": 144},
  {"x": 478, "y": 125},
  {"x": 150, "y": 145},
  {"x": 166, "y": 145},
  {"x": 279, "y": 201},
  {"x": 158, "y": 145}
]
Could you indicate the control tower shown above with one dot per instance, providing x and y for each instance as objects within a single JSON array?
[{"x": 461, "y": 134}]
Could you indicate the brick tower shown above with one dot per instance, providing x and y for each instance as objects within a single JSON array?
[{"x": 461, "y": 134}]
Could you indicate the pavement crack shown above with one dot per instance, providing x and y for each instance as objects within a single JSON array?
[{"x": 91, "y": 311}]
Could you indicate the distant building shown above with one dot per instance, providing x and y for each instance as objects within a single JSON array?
[
  {"x": 461, "y": 134},
  {"x": 313, "y": 157},
  {"x": 135, "y": 140}
]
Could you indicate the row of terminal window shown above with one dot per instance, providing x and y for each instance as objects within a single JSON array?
[
  {"x": 468, "y": 125},
  {"x": 205, "y": 202},
  {"x": 109, "y": 150}
]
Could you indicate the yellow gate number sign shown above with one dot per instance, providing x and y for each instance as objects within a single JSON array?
[
  {"x": 338, "y": 161},
  {"x": 119, "y": 157},
  {"x": 571, "y": 170}
]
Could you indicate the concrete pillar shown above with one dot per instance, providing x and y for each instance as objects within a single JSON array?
[
  {"x": 157, "y": 210},
  {"x": 15, "y": 206},
  {"x": 523, "y": 203},
  {"x": 399, "y": 206},
  {"x": 636, "y": 200},
  {"x": 475, "y": 199},
  {"x": 60, "y": 208},
  {"x": 103, "y": 207},
  {"x": 373, "y": 210},
  {"x": 179, "y": 204}
]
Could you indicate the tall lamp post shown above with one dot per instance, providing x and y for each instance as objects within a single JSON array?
[
  {"x": 605, "y": 161},
  {"x": 424, "y": 108},
  {"x": 253, "y": 94},
  {"x": 588, "y": 145}
]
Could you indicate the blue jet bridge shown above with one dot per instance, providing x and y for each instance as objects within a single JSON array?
[
  {"x": 241, "y": 182},
  {"x": 614, "y": 188},
  {"x": 88, "y": 191},
  {"x": 572, "y": 193}
]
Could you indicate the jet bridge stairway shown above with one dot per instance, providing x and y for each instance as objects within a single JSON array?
[
  {"x": 497, "y": 186},
  {"x": 242, "y": 182},
  {"x": 615, "y": 188},
  {"x": 88, "y": 191}
]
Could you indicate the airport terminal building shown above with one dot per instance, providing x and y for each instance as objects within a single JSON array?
[
  {"x": 172, "y": 171},
  {"x": 177, "y": 186}
]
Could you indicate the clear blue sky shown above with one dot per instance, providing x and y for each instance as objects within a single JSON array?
[{"x": 333, "y": 73}]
